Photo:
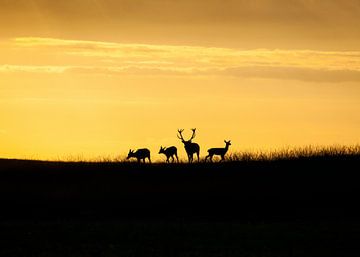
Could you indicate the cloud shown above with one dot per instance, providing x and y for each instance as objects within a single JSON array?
[
  {"x": 109, "y": 58},
  {"x": 293, "y": 73},
  {"x": 263, "y": 72},
  {"x": 185, "y": 11},
  {"x": 330, "y": 24},
  {"x": 32, "y": 69}
]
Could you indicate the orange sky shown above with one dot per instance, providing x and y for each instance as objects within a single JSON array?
[{"x": 94, "y": 78}]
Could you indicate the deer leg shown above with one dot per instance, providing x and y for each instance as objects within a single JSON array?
[
  {"x": 209, "y": 156},
  {"x": 177, "y": 159},
  {"x": 198, "y": 156}
]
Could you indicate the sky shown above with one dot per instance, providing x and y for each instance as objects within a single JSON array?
[{"x": 93, "y": 78}]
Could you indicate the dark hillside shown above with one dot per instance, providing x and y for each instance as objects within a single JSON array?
[
  {"x": 303, "y": 188},
  {"x": 285, "y": 207}
]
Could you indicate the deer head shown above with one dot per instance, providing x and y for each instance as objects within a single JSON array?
[
  {"x": 162, "y": 149},
  {"x": 180, "y": 136},
  {"x": 227, "y": 142},
  {"x": 130, "y": 154}
]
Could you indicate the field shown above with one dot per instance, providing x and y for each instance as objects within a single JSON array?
[{"x": 293, "y": 203}]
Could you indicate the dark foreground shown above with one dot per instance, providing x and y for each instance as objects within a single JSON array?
[{"x": 304, "y": 207}]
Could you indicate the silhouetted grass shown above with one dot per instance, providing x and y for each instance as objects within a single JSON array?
[
  {"x": 288, "y": 153},
  {"x": 302, "y": 153}
]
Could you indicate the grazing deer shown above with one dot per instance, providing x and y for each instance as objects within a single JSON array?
[
  {"x": 190, "y": 147},
  {"x": 140, "y": 154},
  {"x": 169, "y": 152},
  {"x": 218, "y": 151}
]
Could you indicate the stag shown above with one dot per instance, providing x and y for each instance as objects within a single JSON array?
[
  {"x": 169, "y": 152},
  {"x": 140, "y": 154},
  {"x": 218, "y": 151},
  {"x": 190, "y": 147}
]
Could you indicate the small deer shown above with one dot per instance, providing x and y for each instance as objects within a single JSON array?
[
  {"x": 218, "y": 151},
  {"x": 190, "y": 147},
  {"x": 169, "y": 152},
  {"x": 140, "y": 154}
]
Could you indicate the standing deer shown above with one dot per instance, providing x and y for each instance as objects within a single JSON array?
[
  {"x": 140, "y": 154},
  {"x": 190, "y": 147},
  {"x": 218, "y": 151},
  {"x": 169, "y": 152}
]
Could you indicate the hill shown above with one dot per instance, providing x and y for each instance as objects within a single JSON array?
[
  {"x": 306, "y": 187},
  {"x": 300, "y": 206}
]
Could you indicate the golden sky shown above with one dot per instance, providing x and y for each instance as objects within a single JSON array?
[{"x": 94, "y": 78}]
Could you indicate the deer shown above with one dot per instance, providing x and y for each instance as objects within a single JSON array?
[
  {"x": 169, "y": 152},
  {"x": 140, "y": 154},
  {"x": 190, "y": 147},
  {"x": 218, "y": 151}
]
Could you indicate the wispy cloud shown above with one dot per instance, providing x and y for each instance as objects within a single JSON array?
[
  {"x": 106, "y": 58},
  {"x": 295, "y": 73},
  {"x": 33, "y": 68}
]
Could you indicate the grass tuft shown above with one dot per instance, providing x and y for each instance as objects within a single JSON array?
[{"x": 307, "y": 152}]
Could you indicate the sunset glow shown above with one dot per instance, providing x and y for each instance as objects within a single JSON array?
[{"x": 95, "y": 78}]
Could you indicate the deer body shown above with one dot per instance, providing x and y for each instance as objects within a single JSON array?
[
  {"x": 140, "y": 154},
  {"x": 169, "y": 152},
  {"x": 218, "y": 151},
  {"x": 190, "y": 147}
]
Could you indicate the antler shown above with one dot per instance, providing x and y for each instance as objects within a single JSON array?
[
  {"x": 193, "y": 134},
  {"x": 180, "y": 137}
]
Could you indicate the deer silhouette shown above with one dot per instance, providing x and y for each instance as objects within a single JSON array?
[
  {"x": 190, "y": 147},
  {"x": 218, "y": 151},
  {"x": 169, "y": 152},
  {"x": 140, "y": 154}
]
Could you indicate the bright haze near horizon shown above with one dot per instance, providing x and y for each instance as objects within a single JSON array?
[{"x": 95, "y": 78}]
